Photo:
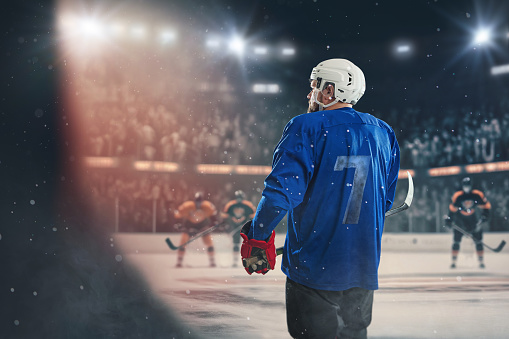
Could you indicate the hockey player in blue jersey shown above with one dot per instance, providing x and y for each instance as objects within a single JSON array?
[{"x": 334, "y": 173}]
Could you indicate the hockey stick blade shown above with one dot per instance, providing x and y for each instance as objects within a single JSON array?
[
  {"x": 170, "y": 244},
  {"x": 496, "y": 250},
  {"x": 408, "y": 200},
  {"x": 406, "y": 204},
  {"x": 499, "y": 248}
]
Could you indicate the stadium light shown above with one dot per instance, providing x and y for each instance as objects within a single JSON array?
[
  {"x": 212, "y": 43},
  {"x": 403, "y": 49},
  {"x": 237, "y": 45},
  {"x": 482, "y": 36},
  {"x": 260, "y": 50},
  {"x": 116, "y": 28},
  {"x": 167, "y": 36},
  {"x": 138, "y": 31},
  {"x": 501, "y": 69},
  {"x": 90, "y": 27},
  {"x": 288, "y": 51},
  {"x": 266, "y": 88}
]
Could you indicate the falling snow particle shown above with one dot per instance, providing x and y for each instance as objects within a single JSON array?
[
  {"x": 54, "y": 229},
  {"x": 118, "y": 258},
  {"x": 188, "y": 292},
  {"x": 35, "y": 293},
  {"x": 16, "y": 322},
  {"x": 32, "y": 202},
  {"x": 458, "y": 278}
]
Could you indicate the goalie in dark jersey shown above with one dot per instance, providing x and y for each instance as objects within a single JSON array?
[
  {"x": 462, "y": 211},
  {"x": 236, "y": 212}
]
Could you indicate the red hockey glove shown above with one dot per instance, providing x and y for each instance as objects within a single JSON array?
[{"x": 257, "y": 255}]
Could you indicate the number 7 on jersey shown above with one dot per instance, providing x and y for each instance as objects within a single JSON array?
[{"x": 360, "y": 163}]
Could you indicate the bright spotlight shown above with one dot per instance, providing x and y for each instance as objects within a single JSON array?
[
  {"x": 237, "y": 45},
  {"x": 212, "y": 43},
  {"x": 116, "y": 28},
  {"x": 482, "y": 36},
  {"x": 266, "y": 88},
  {"x": 403, "y": 49},
  {"x": 261, "y": 50},
  {"x": 167, "y": 36},
  {"x": 288, "y": 51},
  {"x": 90, "y": 27},
  {"x": 138, "y": 31},
  {"x": 502, "y": 69}
]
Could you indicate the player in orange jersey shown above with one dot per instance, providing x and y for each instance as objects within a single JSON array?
[{"x": 196, "y": 215}]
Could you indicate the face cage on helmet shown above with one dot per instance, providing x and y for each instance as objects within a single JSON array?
[
  {"x": 467, "y": 188},
  {"x": 316, "y": 89}
]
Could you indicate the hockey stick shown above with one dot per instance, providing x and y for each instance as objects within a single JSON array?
[
  {"x": 408, "y": 200},
  {"x": 193, "y": 238},
  {"x": 405, "y": 205},
  {"x": 237, "y": 229},
  {"x": 496, "y": 250}
]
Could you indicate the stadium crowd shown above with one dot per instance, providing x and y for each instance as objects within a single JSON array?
[
  {"x": 142, "y": 130},
  {"x": 152, "y": 119}
]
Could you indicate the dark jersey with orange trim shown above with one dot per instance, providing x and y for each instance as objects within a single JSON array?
[
  {"x": 465, "y": 203},
  {"x": 238, "y": 212}
]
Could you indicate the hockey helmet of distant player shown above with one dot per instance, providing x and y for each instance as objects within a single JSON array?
[
  {"x": 239, "y": 195},
  {"x": 198, "y": 198},
  {"x": 466, "y": 184},
  {"x": 347, "y": 78}
]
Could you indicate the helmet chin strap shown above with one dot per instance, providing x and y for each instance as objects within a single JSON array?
[{"x": 332, "y": 103}]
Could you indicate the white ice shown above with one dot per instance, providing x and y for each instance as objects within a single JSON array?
[{"x": 419, "y": 295}]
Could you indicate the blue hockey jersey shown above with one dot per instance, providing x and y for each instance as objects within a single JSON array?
[{"x": 334, "y": 172}]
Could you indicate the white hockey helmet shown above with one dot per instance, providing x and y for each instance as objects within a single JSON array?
[{"x": 348, "y": 80}]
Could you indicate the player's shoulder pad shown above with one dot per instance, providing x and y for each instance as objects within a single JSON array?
[
  {"x": 228, "y": 205},
  {"x": 208, "y": 205},
  {"x": 478, "y": 192},
  {"x": 249, "y": 203},
  {"x": 456, "y": 195},
  {"x": 187, "y": 205}
]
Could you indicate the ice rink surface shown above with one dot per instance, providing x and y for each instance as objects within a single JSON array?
[{"x": 419, "y": 295}]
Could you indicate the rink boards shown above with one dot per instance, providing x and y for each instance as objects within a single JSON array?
[{"x": 392, "y": 242}]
